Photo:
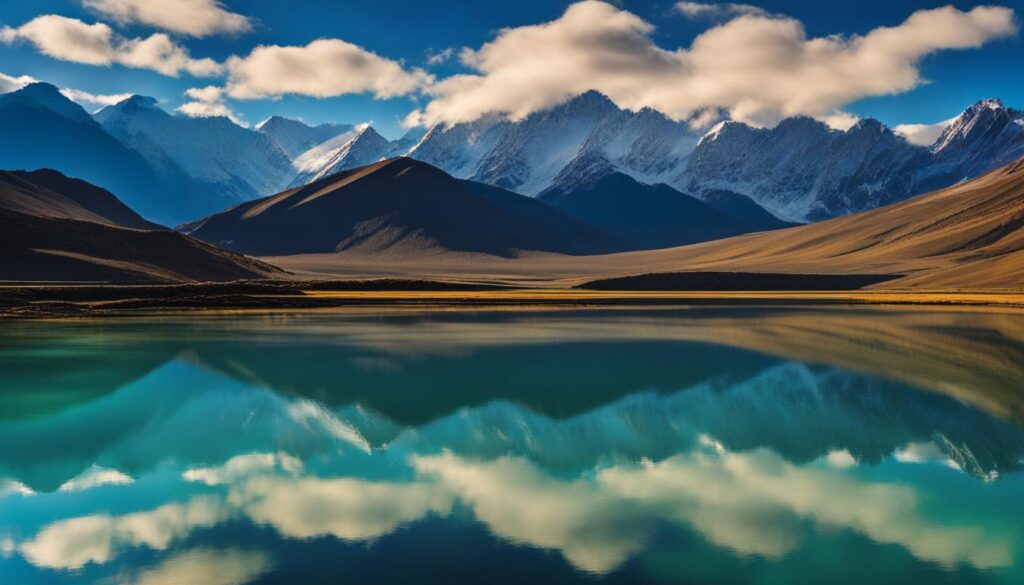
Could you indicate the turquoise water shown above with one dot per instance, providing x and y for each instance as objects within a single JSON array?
[{"x": 687, "y": 446}]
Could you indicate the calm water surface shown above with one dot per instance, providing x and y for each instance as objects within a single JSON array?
[{"x": 687, "y": 446}]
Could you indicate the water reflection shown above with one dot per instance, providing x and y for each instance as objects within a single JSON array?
[{"x": 624, "y": 447}]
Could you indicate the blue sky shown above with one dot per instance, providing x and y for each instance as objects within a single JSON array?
[{"x": 404, "y": 36}]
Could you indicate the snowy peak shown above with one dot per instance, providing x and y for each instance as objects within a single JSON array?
[
  {"x": 591, "y": 102},
  {"x": 527, "y": 155},
  {"x": 128, "y": 107},
  {"x": 983, "y": 121},
  {"x": 47, "y": 96},
  {"x": 295, "y": 137},
  {"x": 235, "y": 162},
  {"x": 343, "y": 152}
]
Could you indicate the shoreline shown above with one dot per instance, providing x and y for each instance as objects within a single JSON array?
[{"x": 83, "y": 301}]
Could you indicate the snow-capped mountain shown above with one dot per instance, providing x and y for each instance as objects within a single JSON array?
[
  {"x": 45, "y": 129},
  {"x": 295, "y": 137},
  {"x": 234, "y": 161},
  {"x": 985, "y": 136},
  {"x": 527, "y": 155},
  {"x": 804, "y": 170},
  {"x": 801, "y": 170},
  {"x": 173, "y": 168},
  {"x": 341, "y": 153}
]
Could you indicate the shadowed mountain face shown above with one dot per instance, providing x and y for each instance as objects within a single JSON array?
[
  {"x": 652, "y": 216},
  {"x": 397, "y": 205},
  {"x": 225, "y": 163},
  {"x": 744, "y": 210},
  {"x": 969, "y": 236},
  {"x": 48, "y": 193},
  {"x": 54, "y": 132},
  {"x": 53, "y": 228}
]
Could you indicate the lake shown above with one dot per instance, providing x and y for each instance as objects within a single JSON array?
[{"x": 705, "y": 445}]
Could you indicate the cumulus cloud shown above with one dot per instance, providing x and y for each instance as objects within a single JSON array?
[
  {"x": 69, "y": 39},
  {"x": 725, "y": 9},
  {"x": 923, "y": 134},
  {"x": 758, "y": 67},
  {"x": 323, "y": 68},
  {"x": 9, "y": 83},
  {"x": 208, "y": 102},
  {"x": 196, "y": 18}
]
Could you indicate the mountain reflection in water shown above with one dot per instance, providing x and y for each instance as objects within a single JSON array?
[{"x": 726, "y": 445}]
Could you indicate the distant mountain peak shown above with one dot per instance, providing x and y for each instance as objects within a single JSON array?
[
  {"x": 985, "y": 120},
  {"x": 368, "y": 133},
  {"x": 142, "y": 101},
  {"x": 128, "y": 108},
  {"x": 45, "y": 95},
  {"x": 989, "y": 104},
  {"x": 296, "y": 137},
  {"x": 802, "y": 124},
  {"x": 869, "y": 124},
  {"x": 275, "y": 120},
  {"x": 591, "y": 100},
  {"x": 39, "y": 88}
]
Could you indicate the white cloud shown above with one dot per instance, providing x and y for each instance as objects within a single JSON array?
[
  {"x": 66, "y": 39},
  {"x": 72, "y": 40},
  {"x": 208, "y": 94},
  {"x": 349, "y": 509},
  {"x": 839, "y": 120},
  {"x": 197, "y": 18},
  {"x": 323, "y": 68},
  {"x": 594, "y": 529},
  {"x": 211, "y": 110},
  {"x": 242, "y": 466},
  {"x": 9, "y": 83},
  {"x": 923, "y": 134},
  {"x": 758, "y": 67},
  {"x": 94, "y": 100},
  {"x": 725, "y": 9},
  {"x": 209, "y": 567},
  {"x": 208, "y": 102},
  {"x": 76, "y": 542}
]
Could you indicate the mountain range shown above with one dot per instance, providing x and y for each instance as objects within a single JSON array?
[
  {"x": 801, "y": 170},
  {"x": 968, "y": 236},
  {"x": 396, "y": 205},
  {"x": 402, "y": 205},
  {"x": 54, "y": 228},
  {"x": 173, "y": 169},
  {"x": 404, "y": 216}
]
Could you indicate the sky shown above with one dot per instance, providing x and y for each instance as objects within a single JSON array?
[{"x": 396, "y": 63}]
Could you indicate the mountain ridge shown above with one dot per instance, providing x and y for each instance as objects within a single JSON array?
[
  {"x": 54, "y": 228},
  {"x": 394, "y": 205}
]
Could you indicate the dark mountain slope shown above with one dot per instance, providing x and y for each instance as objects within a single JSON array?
[
  {"x": 43, "y": 129},
  {"x": 53, "y": 228},
  {"x": 48, "y": 193},
  {"x": 743, "y": 209},
  {"x": 399, "y": 205},
  {"x": 644, "y": 216}
]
